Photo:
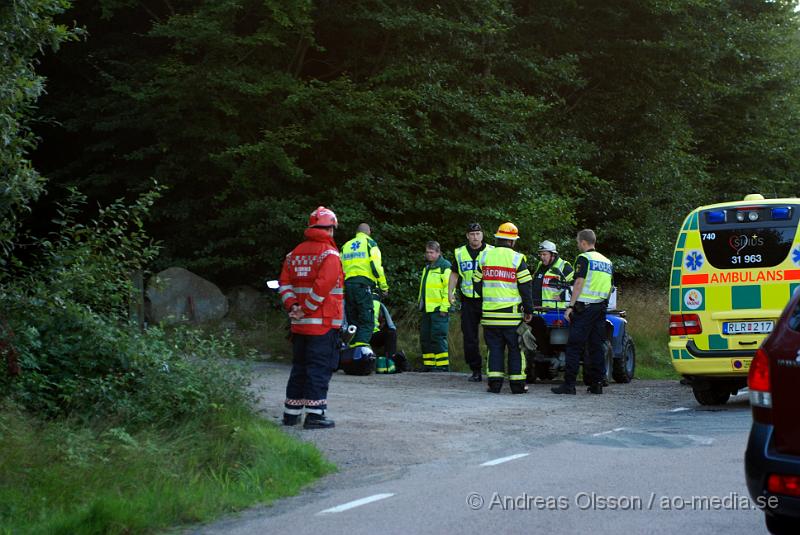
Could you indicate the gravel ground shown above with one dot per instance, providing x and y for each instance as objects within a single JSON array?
[{"x": 386, "y": 423}]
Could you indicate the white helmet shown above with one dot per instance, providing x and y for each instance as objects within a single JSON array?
[{"x": 548, "y": 246}]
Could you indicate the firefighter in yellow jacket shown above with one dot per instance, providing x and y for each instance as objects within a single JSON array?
[
  {"x": 434, "y": 304},
  {"x": 503, "y": 279}
]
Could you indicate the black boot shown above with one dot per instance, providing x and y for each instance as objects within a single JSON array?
[
  {"x": 476, "y": 376},
  {"x": 495, "y": 386},
  {"x": 317, "y": 421},
  {"x": 292, "y": 415},
  {"x": 518, "y": 387},
  {"x": 595, "y": 388},
  {"x": 291, "y": 419},
  {"x": 563, "y": 388}
]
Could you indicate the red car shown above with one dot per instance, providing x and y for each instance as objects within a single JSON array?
[{"x": 772, "y": 459}]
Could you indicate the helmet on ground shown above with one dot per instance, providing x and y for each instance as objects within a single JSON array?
[
  {"x": 322, "y": 217},
  {"x": 548, "y": 246},
  {"x": 507, "y": 231}
]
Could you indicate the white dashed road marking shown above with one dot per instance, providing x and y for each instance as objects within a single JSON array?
[
  {"x": 680, "y": 409},
  {"x": 357, "y": 503},
  {"x": 502, "y": 460},
  {"x": 617, "y": 430}
]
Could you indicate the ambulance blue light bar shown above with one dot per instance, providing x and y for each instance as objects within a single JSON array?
[
  {"x": 782, "y": 213},
  {"x": 717, "y": 216}
]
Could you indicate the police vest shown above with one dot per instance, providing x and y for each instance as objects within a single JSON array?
[
  {"x": 551, "y": 292},
  {"x": 361, "y": 257},
  {"x": 466, "y": 269},
  {"x": 597, "y": 286},
  {"x": 497, "y": 270}
]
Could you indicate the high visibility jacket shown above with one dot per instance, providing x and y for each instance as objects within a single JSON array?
[
  {"x": 466, "y": 269},
  {"x": 500, "y": 271},
  {"x": 361, "y": 257},
  {"x": 433, "y": 287},
  {"x": 558, "y": 272},
  {"x": 312, "y": 278},
  {"x": 379, "y": 308},
  {"x": 599, "y": 278}
]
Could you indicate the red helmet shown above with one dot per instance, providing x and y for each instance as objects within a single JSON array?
[{"x": 322, "y": 217}]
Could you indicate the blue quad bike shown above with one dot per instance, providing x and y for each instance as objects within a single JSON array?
[{"x": 620, "y": 353}]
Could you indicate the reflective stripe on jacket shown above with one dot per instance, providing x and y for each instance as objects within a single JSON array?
[
  {"x": 361, "y": 257},
  {"x": 312, "y": 278},
  {"x": 433, "y": 286},
  {"x": 466, "y": 269},
  {"x": 552, "y": 292},
  {"x": 497, "y": 271},
  {"x": 599, "y": 276}
]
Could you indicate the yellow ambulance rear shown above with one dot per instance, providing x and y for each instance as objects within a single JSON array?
[{"x": 735, "y": 266}]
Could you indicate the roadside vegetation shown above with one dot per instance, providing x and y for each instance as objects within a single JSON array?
[
  {"x": 108, "y": 429},
  {"x": 105, "y": 428}
]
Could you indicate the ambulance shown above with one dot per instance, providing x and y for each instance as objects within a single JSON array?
[{"x": 735, "y": 267}]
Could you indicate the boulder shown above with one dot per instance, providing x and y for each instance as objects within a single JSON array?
[
  {"x": 246, "y": 302},
  {"x": 177, "y": 295}
]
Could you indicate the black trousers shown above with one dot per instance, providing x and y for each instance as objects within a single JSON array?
[
  {"x": 541, "y": 333},
  {"x": 470, "y": 322},
  {"x": 587, "y": 330},
  {"x": 313, "y": 361},
  {"x": 386, "y": 339},
  {"x": 498, "y": 339}
]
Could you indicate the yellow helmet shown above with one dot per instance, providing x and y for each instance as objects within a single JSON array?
[{"x": 507, "y": 231}]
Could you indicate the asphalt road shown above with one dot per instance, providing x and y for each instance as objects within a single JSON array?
[{"x": 432, "y": 453}]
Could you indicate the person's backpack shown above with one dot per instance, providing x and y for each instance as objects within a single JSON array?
[
  {"x": 395, "y": 364},
  {"x": 385, "y": 365}
]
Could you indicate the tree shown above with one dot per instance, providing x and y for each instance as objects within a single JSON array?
[{"x": 26, "y": 28}]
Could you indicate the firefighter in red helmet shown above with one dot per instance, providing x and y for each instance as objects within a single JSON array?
[{"x": 311, "y": 291}]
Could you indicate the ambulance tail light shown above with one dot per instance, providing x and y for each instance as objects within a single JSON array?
[
  {"x": 681, "y": 324},
  {"x": 759, "y": 385}
]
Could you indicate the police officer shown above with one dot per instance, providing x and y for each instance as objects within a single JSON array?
[
  {"x": 434, "y": 304},
  {"x": 552, "y": 275},
  {"x": 363, "y": 272},
  {"x": 587, "y": 315},
  {"x": 311, "y": 291},
  {"x": 466, "y": 260},
  {"x": 503, "y": 279}
]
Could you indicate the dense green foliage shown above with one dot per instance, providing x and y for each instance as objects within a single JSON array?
[
  {"x": 26, "y": 28},
  {"x": 64, "y": 296},
  {"x": 420, "y": 117},
  {"x": 78, "y": 353},
  {"x": 105, "y": 428}
]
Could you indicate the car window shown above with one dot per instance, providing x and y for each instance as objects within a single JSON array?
[{"x": 794, "y": 319}]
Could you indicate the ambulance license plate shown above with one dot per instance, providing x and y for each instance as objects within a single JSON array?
[{"x": 747, "y": 327}]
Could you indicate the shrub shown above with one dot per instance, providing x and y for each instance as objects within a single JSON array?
[{"x": 78, "y": 352}]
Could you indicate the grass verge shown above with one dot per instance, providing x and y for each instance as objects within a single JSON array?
[{"x": 65, "y": 478}]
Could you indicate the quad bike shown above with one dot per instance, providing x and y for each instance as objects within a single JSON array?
[{"x": 620, "y": 353}]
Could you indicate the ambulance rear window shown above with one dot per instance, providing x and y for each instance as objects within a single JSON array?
[{"x": 748, "y": 237}]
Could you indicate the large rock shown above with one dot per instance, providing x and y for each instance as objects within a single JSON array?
[
  {"x": 177, "y": 295},
  {"x": 246, "y": 302}
]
